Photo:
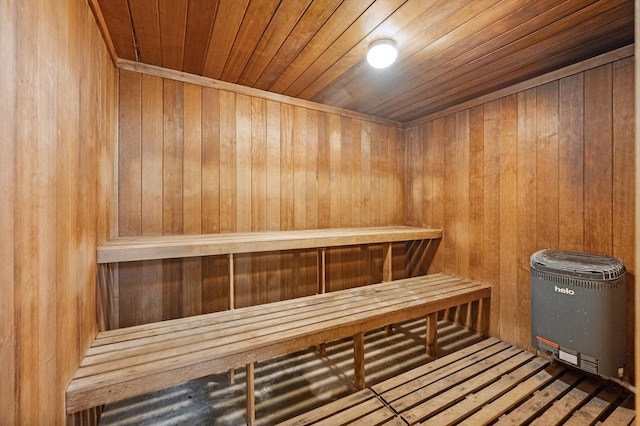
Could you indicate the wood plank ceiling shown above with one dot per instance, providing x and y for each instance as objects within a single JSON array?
[{"x": 450, "y": 50}]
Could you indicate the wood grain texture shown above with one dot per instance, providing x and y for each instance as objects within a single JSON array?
[
  {"x": 546, "y": 170},
  {"x": 636, "y": 324},
  {"x": 624, "y": 151},
  {"x": 132, "y": 361},
  {"x": 57, "y": 190},
  {"x": 220, "y": 161},
  {"x": 450, "y": 51},
  {"x": 8, "y": 109}
]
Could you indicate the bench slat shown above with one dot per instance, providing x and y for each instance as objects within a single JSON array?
[
  {"x": 565, "y": 406},
  {"x": 508, "y": 392},
  {"x": 299, "y": 317},
  {"x": 149, "y": 358},
  {"x": 426, "y": 381},
  {"x": 540, "y": 400},
  {"x": 417, "y": 405},
  {"x": 266, "y": 332},
  {"x": 331, "y": 408},
  {"x": 362, "y": 408},
  {"x": 589, "y": 413},
  {"x": 623, "y": 414},
  {"x": 127, "y": 249},
  {"x": 228, "y": 319}
]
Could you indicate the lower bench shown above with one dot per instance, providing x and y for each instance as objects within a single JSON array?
[{"x": 135, "y": 360}]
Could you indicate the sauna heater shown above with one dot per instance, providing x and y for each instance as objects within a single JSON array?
[{"x": 578, "y": 310}]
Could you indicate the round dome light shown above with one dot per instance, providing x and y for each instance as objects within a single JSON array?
[{"x": 382, "y": 53}]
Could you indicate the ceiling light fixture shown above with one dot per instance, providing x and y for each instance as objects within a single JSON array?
[{"x": 382, "y": 53}]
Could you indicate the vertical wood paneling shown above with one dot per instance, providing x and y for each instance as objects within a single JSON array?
[
  {"x": 343, "y": 167},
  {"x": 192, "y": 195},
  {"x": 69, "y": 163},
  {"x": 273, "y": 166},
  {"x": 57, "y": 136},
  {"x": 286, "y": 167},
  {"x": 218, "y": 161},
  {"x": 210, "y": 160},
  {"x": 598, "y": 153},
  {"x": 462, "y": 192},
  {"x": 215, "y": 291},
  {"x": 312, "y": 169},
  {"x": 547, "y": 214},
  {"x": 437, "y": 187},
  {"x": 258, "y": 164},
  {"x": 259, "y": 189},
  {"x": 491, "y": 213},
  {"x": 227, "y": 161},
  {"x": 476, "y": 192},
  {"x": 571, "y": 156},
  {"x": 413, "y": 207},
  {"x": 130, "y": 296},
  {"x": 526, "y": 216},
  {"x": 624, "y": 153},
  {"x": 299, "y": 167},
  {"x": 243, "y": 163},
  {"x": 243, "y": 172},
  {"x": 8, "y": 308},
  {"x": 365, "y": 152},
  {"x": 152, "y": 148},
  {"x": 449, "y": 246},
  {"x": 129, "y": 159},
  {"x": 509, "y": 295},
  {"x": 549, "y": 167},
  {"x": 355, "y": 138},
  {"x": 147, "y": 299},
  {"x": 335, "y": 148},
  {"x": 397, "y": 147},
  {"x": 172, "y": 195}
]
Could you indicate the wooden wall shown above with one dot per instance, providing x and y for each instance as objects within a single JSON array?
[
  {"x": 548, "y": 167},
  {"x": 57, "y": 132},
  {"x": 195, "y": 159}
]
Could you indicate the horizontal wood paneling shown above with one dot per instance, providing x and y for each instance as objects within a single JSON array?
[
  {"x": 547, "y": 167},
  {"x": 195, "y": 159},
  {"x": 57, "y": 140},
  {"x": 449, "y": 51}
]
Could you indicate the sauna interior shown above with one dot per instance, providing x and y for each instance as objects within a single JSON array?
[{"x": 507, "y": 126}]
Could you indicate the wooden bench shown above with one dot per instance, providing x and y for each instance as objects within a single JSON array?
[
  {"x": 127, "y": 249},
  {"x": 130, "y": 249},
  {"x": 135, "y": 360},
  {"x": 490, "y": 382}
]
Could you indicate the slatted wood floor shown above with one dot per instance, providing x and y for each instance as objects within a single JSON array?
[{"x": 490, "y": 382}]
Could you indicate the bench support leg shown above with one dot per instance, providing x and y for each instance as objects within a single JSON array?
[
  {"x": 358, "y": 358},
  {"x": 387, "y": 273},
  {"x": 472, "y": 318},
  {"x": 322, "y": 270},
  {"x": 483, "y": 327},
  {"x": 387, "y": 266},
  {"x": 432, "y": 335},
  {"x": 461, "y": 314},
  {"x": 251, "y": 397},
  {"x": 322, "y": 349}
]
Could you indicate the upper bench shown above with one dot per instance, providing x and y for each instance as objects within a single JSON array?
[{"x": 127, "y": 249}]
